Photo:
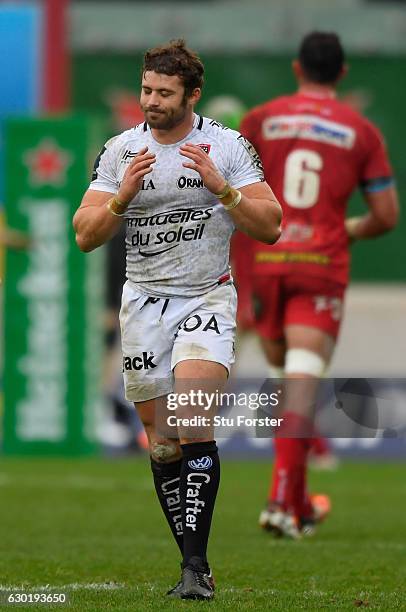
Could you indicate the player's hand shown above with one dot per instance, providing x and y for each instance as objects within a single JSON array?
[
  {"x": 133, "y": 176},
  {"x": 202, "y": 163},
  {"x": 351, "y": 226}
]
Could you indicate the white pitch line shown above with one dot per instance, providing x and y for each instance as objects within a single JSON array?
[{"x": 75, "y": 586}]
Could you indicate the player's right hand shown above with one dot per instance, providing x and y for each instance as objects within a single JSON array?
[{"x": 133, "y": 176}]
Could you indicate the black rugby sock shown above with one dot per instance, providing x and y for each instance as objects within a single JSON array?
[
  {"x": 166, "y": 480},
  {"x": 199, "y": 482}
]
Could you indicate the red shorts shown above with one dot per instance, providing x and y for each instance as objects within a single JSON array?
[{"x": 297, "y": 300}]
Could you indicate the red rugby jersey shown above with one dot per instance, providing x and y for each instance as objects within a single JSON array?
[{"x": 315, "y": 150}]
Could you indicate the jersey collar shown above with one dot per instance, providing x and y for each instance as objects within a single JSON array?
[{"x": 329, "y": 94}]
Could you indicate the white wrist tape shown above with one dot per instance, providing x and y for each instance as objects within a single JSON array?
[
  {"x": 235, "y": 202},
  {"x": 303, "y": 361}
]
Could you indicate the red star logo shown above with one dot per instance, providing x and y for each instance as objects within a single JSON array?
[{"x": 47, "y": 164}]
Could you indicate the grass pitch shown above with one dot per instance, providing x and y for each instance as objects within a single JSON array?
[{"x": 93, "y": 529}]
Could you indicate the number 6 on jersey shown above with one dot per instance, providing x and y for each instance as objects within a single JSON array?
[{"x": 301, "y": 178}]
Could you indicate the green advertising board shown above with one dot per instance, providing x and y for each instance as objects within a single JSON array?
[{"x": 53, "y": 296}]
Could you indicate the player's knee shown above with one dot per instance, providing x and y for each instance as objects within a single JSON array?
[
  {"x": 164, "y": 450},
  {"x": 304, "y": 361}
]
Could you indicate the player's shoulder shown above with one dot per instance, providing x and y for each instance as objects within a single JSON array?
[
  {"x": 128, "y": 136},
  {"x": 353, "y": 117},
  {"x": 369, "y": 127},
  {"x": 270, "y": 107},
  {"x": 216, "y": 131},
  {"x": 342, "y": 108},
  {"x": 123, "y": 145}
]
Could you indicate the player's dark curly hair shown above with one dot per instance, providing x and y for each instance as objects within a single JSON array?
[
  {"x": 176, "y": 58},
  {"x": 321, "y": 56}
]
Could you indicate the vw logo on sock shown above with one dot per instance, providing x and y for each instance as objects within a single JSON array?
[{"x": 204, "y": 463}]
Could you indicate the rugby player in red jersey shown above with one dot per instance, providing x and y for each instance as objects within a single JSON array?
[{"x": 316, "y": 151}]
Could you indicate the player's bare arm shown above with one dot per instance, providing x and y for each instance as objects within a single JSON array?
[
  {"x": 100, "y": 214},
  {"x": 257, "y": 213},
  {"x": 381, "y": 217},
  {"x": 260, "y": 215},
  {"x": 14, "y": 239},
  {"x": 93, "y": 222}
]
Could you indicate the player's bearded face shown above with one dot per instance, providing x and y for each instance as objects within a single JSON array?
[{"x": 163, "y": 100}]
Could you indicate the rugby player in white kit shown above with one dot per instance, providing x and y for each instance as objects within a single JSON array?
[{"x": 181, "y": 183}]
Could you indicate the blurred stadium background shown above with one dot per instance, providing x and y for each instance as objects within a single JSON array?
[
  {"x": 82, "y": 60},
  {"x": 70, "y": 78}
]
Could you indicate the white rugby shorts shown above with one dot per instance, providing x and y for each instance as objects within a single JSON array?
[{"x": 158, "y": 333}]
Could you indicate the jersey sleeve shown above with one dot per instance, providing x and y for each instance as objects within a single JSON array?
[
  {"x": 104, "y": 175},
  {"x": 246, "y": 166},
  {"x": 376, "y": 172}
]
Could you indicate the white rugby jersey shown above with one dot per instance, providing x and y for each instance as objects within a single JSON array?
[{"x": 178, "y": 233}]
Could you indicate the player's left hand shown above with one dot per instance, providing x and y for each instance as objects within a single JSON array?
[
  {"x": 202, "y": 163},
  {"x": 351, "y": 226}
]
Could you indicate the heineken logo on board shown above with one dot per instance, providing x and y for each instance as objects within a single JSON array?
[{"x": 47, "y": 163}]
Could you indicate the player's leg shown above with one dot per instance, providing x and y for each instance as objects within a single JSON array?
[
  {"x": 147, "y": 379},
  {"x": 269, "y": 300},
  {"x": 201, "y": 359},
  {"x": 287, "y": 496},
  {"x": 309, "y": 350},
  {"x": 312, "y": 311},
  {"x": 274, "y": 351},
  {"x": 322, "y": 456},
  {"x": 276, "y": 517},
  {"x": 268, "y": 297},
  {"x": 166, "y": 461},
  {"x": 200, "y": 465},
  {"x": 200, "y": 473},
  {"x": 312, "y": 322}
]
